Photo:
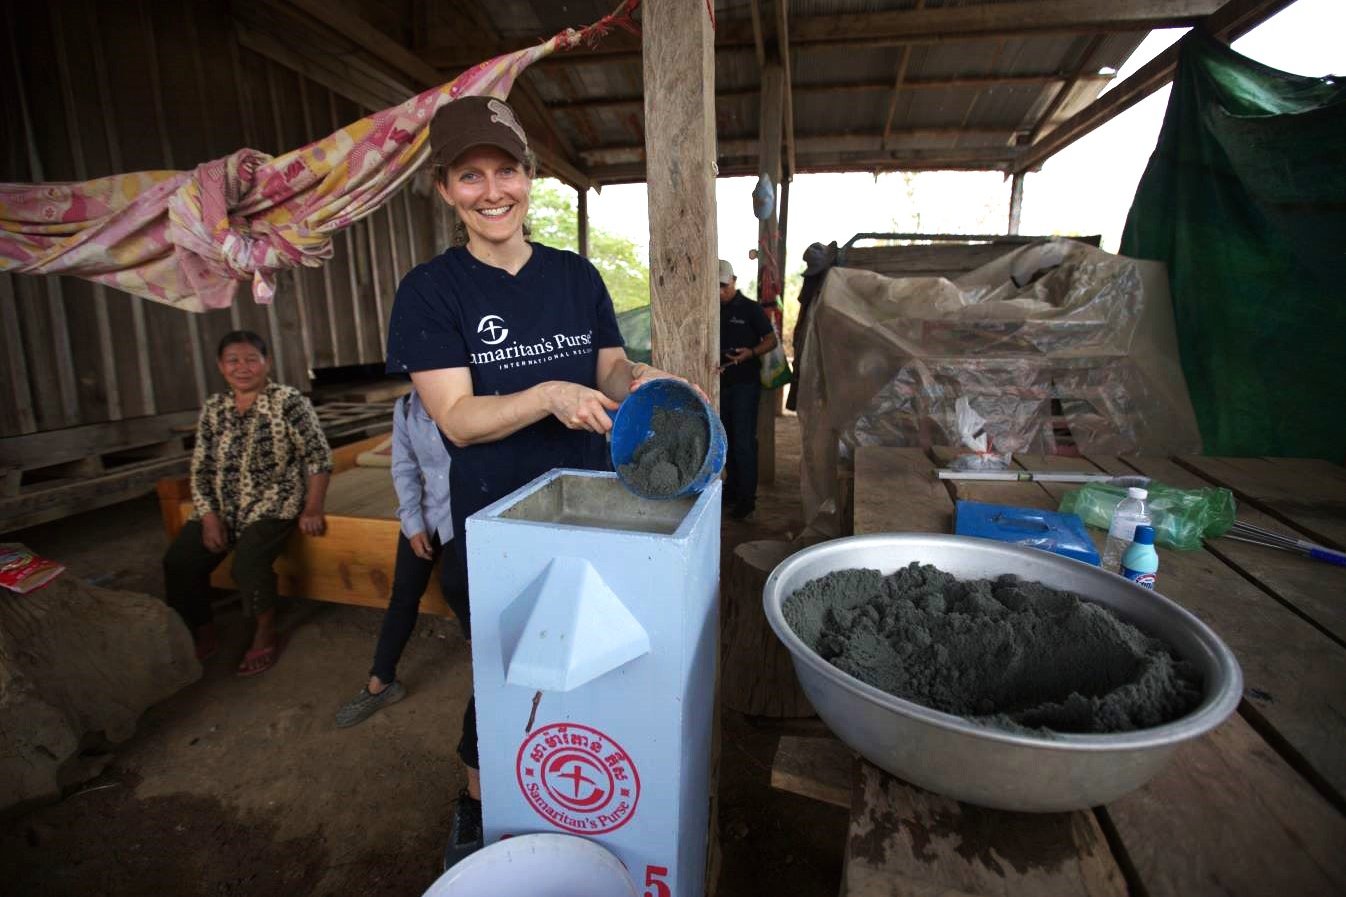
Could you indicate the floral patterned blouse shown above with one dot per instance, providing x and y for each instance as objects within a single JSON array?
[{"x": 255, "y": 465}]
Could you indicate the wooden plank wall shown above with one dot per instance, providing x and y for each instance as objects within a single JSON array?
[{"x": 94, "y": 89}]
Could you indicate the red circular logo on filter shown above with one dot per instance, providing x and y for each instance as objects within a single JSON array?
[{"x": 577, "y": 778}]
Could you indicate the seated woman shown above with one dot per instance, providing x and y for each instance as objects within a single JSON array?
[{"x": 260, "y": 466}]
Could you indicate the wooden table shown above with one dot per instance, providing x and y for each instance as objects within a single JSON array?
[{"x": 1257, "y": 807}]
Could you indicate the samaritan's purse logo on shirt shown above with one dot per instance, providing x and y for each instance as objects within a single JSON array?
[{"x": 493, "y": 330}]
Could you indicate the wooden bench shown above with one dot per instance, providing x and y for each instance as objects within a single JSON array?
[{"x": 353, "y": 562}]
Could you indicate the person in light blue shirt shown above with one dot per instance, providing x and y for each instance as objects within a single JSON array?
[{"x": 421, "y": 477}]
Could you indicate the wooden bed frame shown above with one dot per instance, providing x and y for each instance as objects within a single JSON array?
[{"x": 352, "y": 563}]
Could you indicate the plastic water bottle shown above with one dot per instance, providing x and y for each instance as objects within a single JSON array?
[
  {"x": 1130, "y": 514},
  {"x": 1140, "y": 563}
]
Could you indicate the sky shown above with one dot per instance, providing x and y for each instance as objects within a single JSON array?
[{"x": 1085, "y": 189}]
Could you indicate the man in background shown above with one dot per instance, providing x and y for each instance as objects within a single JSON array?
[{"x": 745, "y": 336}]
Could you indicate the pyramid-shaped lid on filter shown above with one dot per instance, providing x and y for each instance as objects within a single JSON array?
[{"x": 566, "y": 628}]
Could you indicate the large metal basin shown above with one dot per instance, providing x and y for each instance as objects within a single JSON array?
[{"x": 952, "y": 756}]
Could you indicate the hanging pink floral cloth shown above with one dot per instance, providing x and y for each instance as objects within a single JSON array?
[{"x": 186, "y": 238}]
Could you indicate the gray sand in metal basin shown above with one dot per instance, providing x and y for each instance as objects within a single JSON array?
[
  {"x": 672, "y": 456},
  {"x": 1006, "y": 652}
]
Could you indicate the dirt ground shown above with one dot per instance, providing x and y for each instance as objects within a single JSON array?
[{"x": 246, "y": 787}]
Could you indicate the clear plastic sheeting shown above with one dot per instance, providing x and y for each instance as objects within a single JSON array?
[{"x": 1087, "y": 345}]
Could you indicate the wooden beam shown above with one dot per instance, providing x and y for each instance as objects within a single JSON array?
[
  {"x": 907, "y": 26},
  {"x": 768, "y": 266},
  {"x": 61, "y": 499},
  {"x": 1016, "y": 202},
  {"x": 74, "y": 443},
  {"x": 614, "y": 48},
  {"x": 982, "y": 20},
  {"x": 783, "y": 39},
  {"x": 333, "y": 73},
  {"x": 582, "y": 222},
  {"x": 555, "y": 159},
  {"x": 679, "y": 71},
  {"x": 993, "y": 158},
  {"x": 1063, "y": 92},
  {"x": 758, "y": 43},
  {"x": 806, "y": 143},
  {"x": 1229, "y": 22},
  {"x": 634, "y": 102},
  {"x": 337, "y": 16}
]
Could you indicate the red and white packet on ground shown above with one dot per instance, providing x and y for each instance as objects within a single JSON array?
[{"x": 23, "y": 571}]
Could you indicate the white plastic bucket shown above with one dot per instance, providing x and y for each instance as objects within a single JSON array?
[{"x": 542, "y": 865}]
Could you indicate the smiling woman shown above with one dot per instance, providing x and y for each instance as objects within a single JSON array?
[
  {"x": 259, "y": 469},
  {"x": 513, "y": 348}
]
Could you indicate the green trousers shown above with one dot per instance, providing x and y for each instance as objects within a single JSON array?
[{"x": 188, "y": 565}]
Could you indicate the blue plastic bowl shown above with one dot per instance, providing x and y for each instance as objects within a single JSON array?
[{"x": 631, "y": 427}]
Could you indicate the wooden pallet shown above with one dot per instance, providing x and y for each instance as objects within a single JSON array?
[
  {"x": 341, "y": 420},
  {"x": 51, "y": 475}
]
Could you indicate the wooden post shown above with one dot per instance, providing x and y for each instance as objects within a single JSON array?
[
  {"x": 679, "y": 68},
  {"x": 1016, "y": 201},
  {"x": 583, "y": 222},
  {"x": 757, "y": 676},
  {"x": 768, "y": 265}
]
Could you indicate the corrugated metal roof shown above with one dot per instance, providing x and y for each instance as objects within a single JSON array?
[{"x": 965, "y": 101}]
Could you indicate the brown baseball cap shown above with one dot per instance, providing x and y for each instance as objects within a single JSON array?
[{"x": 475, "y": 121}]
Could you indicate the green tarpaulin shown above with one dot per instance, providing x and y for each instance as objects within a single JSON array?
[
  {"x": 635, "y": 327},
  {"x": 1245, "y": 200}
]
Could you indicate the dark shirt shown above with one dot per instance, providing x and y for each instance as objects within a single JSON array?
[
  {"x": 743, "y": 324},
  {"x": 511, "y": 332}
]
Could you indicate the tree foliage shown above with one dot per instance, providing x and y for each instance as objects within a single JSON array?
[{"x": 552, "y": 216}]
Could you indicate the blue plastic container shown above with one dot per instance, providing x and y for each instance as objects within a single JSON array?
[{"x": 631, "y": 427}]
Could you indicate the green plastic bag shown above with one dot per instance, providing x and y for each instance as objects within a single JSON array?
[{"x": 1181, "y": 517}]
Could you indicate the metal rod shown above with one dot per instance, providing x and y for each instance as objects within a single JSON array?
[{"x": 1041, "y": 476}]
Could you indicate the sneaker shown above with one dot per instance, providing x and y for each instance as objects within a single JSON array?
[
  {"x": 364, "y": 705},
  {"x": 465, "y": 837}
]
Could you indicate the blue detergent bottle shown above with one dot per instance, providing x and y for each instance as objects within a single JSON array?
[{"x": 1140, "y": 563}]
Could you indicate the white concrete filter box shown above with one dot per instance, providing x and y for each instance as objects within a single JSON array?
[{"x": 594, "y": 627}]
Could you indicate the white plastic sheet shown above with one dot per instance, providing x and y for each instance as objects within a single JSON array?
[{"x": 887, "y": 359}]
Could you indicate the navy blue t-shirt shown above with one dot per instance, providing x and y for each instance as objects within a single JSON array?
[
  {"x": 743, "y": 324},
  {"x": 512, "y": 331}
]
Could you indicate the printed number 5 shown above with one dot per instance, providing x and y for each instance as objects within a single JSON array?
[{"x": 654, "y": 876}]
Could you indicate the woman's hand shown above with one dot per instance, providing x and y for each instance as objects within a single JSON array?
[
  {"x": 214, "y": 536},
  {"x": 312, "y": 523},
  {"x": 642, "y": 373},
  {"x": 578, "y": 407},
  {"x": 420, "y": 546}
]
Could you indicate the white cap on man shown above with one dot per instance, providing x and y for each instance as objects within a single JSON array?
[{"x": 726, "y": 272}]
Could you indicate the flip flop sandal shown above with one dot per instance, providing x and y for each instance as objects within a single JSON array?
[{"x": 266, "y": 657}]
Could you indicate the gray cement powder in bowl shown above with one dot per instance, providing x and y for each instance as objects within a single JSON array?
[
  {"x": 1005, "y": 652},
  {"x": 672, "y": 456}
]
